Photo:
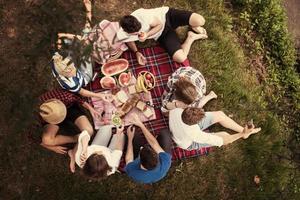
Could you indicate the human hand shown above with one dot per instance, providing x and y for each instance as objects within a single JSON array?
[
  {"x": 96, "y": 114},
  {"x": 130, "y": 132},
  {"x": 83, "y": 156},
  {"x": 213, "y": 95},
  {"x": 134, "y": 119},
  {"x": 120, "y": 129},
  {"x": 143, "y": 36},
  {"x": 180, "y": 104},
  {"x": 59, "y": 149},
  {"x": 140, "y": 58},
  {"x": 107, "y": 97}
]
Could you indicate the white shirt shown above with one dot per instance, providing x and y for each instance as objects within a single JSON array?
[
  {"x": 184, "y": 135},
  {"x": 112, "y": 157},
  {"x": 145, "y": 17}
]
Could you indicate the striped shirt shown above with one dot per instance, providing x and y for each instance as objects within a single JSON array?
[
  {"x": 72, "y": 84},
  {"x": 191, "y": 74}
]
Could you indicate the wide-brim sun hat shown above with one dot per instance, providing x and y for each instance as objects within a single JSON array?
[{"x": 53, "y": 111}]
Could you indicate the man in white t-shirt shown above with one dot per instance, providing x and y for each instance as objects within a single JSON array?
[
  {"x": 160, "y": 24},
  {"x": 187, "y": 127}
]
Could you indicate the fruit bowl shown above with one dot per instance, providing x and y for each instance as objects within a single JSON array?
[{"x": 145, "y": 81}]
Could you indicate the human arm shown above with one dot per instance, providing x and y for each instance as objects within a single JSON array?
[
  {"x": 120, "y": 138},
  {"x": 207, "y": 98},
  {"x": 149, "y": 137},
  {"x": 129, "y": 153},
  {"x": 139, "y": 56},
  {"x": 84, "y": 142},
  {"x": 88, "y": 7},
  {"x": 69, "y": 36},
  {"x": 156, "y": 26},
  {"x": 87, "y": 93},
  {"x": 176, "y": 104},
  {"x": 93, "y": 112},
  {"x": 56, "y": 149}
]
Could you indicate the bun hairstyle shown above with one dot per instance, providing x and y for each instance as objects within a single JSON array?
[{"x": 185, "y": 91}]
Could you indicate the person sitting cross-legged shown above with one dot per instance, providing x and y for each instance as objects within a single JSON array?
[
  {"x": 153, "y": 160},
  {"x": 185, "y": 87},
  {"x": 59, "y": 111},
  {"x": 72, "y": 79},
  {"x": 187, "y": 127}
]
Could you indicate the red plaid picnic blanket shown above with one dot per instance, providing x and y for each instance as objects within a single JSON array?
[{"x": 161, "y": 65}]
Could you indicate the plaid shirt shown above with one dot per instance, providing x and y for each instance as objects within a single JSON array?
[
  {"x": 191, "y": 74},
  {"x": 65, "y": 96}
]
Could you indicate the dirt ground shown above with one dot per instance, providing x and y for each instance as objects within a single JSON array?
[{"x": 27, "y": 33}]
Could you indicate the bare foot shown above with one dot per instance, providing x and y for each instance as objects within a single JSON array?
[
  {"x": 250, "y": 132},
  {"x": 213, "y": 94},
  {"x": 199, "y": 29},
  {"x": 72, "y": 161},
  {"x": 194, "y": 36}
]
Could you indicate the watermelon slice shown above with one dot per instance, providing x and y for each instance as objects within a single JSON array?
[
  {"x": 124, "y": 79},
  {"x": 114, "y": 67},
  {"x": 108, "y": 82}
]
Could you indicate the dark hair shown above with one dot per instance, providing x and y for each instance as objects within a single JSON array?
[
  {"x": 96, "y": 167},
  {"x": 185, "y": 91},
  {"x": 191, "y": 116},
  {"x": 130, "y": 24},
  {"x": 148, "y": 157}
]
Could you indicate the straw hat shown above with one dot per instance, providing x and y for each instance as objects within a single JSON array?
[
  {"x": 53, "y": 111},
  {"x": 63, "y": 66}
]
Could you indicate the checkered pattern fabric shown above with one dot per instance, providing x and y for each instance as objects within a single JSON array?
[
  {"x": 110, "y": 109},
  {"x": 160, "y": 64},
  {"x": 65, "y": 96}
]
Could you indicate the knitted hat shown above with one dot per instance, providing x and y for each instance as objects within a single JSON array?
[{"x": 53, "y": 111}]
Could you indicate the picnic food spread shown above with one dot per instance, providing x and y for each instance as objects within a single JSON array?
[
  {"x": 124, "y": 79},
  {"x": 114, "y": 67},
  {"x": 116, "y": 77},
  {"x": 108, "y": 82},
  {"x": 145, "y": 81},
  {"x": 116, "y": 120}
]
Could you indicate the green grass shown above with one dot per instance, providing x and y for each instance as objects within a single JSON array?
[{"x": 30, "y": 172}]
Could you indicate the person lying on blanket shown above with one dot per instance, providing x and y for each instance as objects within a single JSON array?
[
  {"x": 186, "y": 86},
  {"x": 153, "y": 160},
  {"x": 102, "y": 157},
  {"x": 72, "y": 79},
  {"x": 59, "y": 110},
  {"x": 102, "y": 37},
  {"x": 187, "y": 127},
  {"x": 160, "y": 24}
]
